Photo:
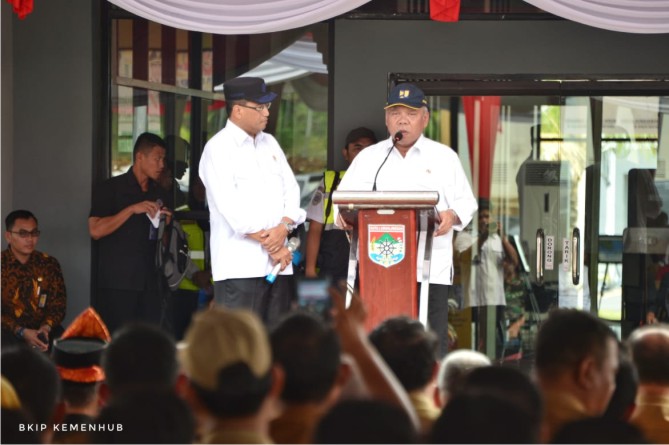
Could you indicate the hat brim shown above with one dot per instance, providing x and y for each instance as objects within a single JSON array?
[
  {"x": 405, "y": 105},
  {"x": 264, "y": 99}
]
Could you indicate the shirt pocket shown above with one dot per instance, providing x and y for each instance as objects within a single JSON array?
[{"x": 271, "y": 171}]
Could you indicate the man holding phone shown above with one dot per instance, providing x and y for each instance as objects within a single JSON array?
[{"x": 124, "y": 220}]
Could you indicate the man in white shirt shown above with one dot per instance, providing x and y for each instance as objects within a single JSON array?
[
  {"x": 413, "y": 162},
  {"x": 254, "y": 203}
]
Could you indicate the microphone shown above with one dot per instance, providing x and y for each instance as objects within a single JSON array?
[
  {"x": 292, "y": 246},
  {"x": 396, "y": 138}
]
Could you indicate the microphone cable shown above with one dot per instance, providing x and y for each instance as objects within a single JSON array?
[{"x": 398, "y": 137}]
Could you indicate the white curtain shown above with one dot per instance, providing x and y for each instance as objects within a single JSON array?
[
  {"x": 631, "y": 16},
  {"x": 237, "y": 16}
]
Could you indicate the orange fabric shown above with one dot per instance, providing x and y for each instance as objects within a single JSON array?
[
  {"x": 82, "y": 375},
  {"x": 88, "y": 324}
]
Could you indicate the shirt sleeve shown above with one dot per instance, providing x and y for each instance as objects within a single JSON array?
[
  {"x": 102, "y": 200},
  {"x": 458, "y": 194},
  {"x": 315, "y": 208},
  {"x": 291, "y": 193},
  {"x": 56, "y": 303}
]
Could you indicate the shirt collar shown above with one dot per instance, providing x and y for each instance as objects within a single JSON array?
[
  {"x": 240, "y": 136},
  {"x": 416, "y": 146},
  {"x": 132, "y": 180},
  {"x": 12, "y": 258}
]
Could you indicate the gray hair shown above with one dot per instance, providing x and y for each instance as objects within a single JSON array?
[{"x": 455, "y": 367}]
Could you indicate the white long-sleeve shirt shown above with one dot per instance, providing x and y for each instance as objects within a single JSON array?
[
  {"x": 486, "y": 286},
  {"x": 250, "y": 187},
  {"x": 427, "y": 166}
]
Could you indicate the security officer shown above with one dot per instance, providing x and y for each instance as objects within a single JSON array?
[
  {"x": 327, "y": 249},
  {"x": 192, "y": 286}
]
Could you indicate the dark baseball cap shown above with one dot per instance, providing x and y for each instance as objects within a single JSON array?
[
  {"x": 253, "y": 89},
  {"x": 407, "y": 95},
  {"x": 359, "y": 133}
]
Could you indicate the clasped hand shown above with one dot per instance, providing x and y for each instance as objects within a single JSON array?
[{"x": 272, "y": 240}]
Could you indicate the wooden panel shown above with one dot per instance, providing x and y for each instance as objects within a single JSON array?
[{"x": 389, "y": 289}]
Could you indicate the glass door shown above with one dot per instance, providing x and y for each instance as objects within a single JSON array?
[{"x": 573, "y": 189}]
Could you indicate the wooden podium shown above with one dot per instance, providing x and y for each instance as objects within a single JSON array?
[{"x": 391, "y": 231}]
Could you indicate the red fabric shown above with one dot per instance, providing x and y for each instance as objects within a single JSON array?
[
  {"x": 484, "y": 140},
  {"x": 445, "y": 10},
  {"x": 22, "y": 7},
  {"x": 660, "y": 272}
]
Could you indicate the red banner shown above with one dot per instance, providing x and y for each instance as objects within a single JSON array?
[
  {"x": 445, "y": 10},
  {"x": 22, "y": 7},
  {"x": 482, "y": 118}
]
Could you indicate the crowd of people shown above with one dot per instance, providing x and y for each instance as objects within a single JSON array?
[
  {"x": 309, "y": 380},
  {"x": 250, "y": 367}
]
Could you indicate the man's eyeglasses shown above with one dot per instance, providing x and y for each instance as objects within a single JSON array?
[
  {"x": 26, "y": 234},
  {"x": 258, "y": 108}
]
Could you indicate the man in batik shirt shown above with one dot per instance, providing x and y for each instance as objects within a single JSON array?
[{"x": 33, "y": 289}]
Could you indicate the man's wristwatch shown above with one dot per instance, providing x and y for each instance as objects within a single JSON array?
[{"x": 289, "y": 226}]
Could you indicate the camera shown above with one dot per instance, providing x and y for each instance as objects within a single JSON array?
[
  {"x": 313, "y": 296},
  {"x": 493, "y": 227}
]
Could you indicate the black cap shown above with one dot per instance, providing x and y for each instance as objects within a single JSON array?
[
  {"x": 248, "y": 88},
  {"x": 78, "y": 352},
  {"x": 408, "y": 95},
  {"x": 359, "y": 133}
]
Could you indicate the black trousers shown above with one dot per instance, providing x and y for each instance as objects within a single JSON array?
[
  {"x": 184, "y": 305},
  {"x": 437, "y": 313},
  {"x": 268, "y": 300},
  {"x": 118, "y": 307}
]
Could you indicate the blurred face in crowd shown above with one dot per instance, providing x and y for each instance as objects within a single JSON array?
[
  {"x": 605, "y": 383},
  {"x": 354, "y": 148}
]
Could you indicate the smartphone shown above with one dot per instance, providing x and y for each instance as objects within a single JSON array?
[{"x": 313, "y": 296}]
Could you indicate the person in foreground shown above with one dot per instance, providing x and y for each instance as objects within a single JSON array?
[{"x": 576, "y": 364}]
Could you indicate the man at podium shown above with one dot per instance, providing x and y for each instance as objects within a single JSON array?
[{"x": 409, "y": 161}]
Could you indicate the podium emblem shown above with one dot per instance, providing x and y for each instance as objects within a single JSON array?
[{"x": 386, "y": 244}]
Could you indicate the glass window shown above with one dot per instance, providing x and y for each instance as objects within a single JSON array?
[
  {"x": 579, "y": 185},
  {"x": 170, "y": 82}
]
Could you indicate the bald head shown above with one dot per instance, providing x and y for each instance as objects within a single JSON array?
[{"x": 649, "y": 346}]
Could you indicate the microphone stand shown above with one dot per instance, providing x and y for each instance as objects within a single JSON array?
[{"x": 396, "y": 138}]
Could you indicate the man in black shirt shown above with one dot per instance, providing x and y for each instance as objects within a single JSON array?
[{"x": 124, "y": 220}]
